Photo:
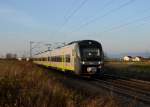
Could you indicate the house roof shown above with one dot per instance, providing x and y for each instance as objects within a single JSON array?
[
  {"x": 139, "y": 56},
  {"x": 128, "y": 56}
]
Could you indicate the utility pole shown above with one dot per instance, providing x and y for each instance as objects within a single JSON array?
[
  {"x": 31, "y": 42},
  {"x": 49, "y": 46},
  {"x": 35, "y": 46}
]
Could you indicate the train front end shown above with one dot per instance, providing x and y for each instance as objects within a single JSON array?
[{"x": 91, "y": 58}]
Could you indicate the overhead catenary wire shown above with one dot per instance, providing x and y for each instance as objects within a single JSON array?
[
  {"x": 80, "y": 6},
  {"x": 70, "y": 8},
  {"x": 144, "y": 23},
  {"x": 126, "y": 24},
  {"x": 107, "y": 4},
  {"x": 92, "y": 20},
  {"x": 122, "y": 25},
  {"x": 73, "y": 12}
]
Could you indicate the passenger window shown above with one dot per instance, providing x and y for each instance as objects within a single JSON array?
[
  {"x": 73, "y": 52},
  {"x": 67, "y": 57}
]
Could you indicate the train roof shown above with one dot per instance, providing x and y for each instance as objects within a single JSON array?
[
  {"x": 80, "y": 41},
  {"x": 42, "y": 52}
]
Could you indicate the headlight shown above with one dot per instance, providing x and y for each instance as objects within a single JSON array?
[
  {"x": 100, "y": 62},
  {"x": 100, "y": 67},
  {"x": 83, "y": 62}
]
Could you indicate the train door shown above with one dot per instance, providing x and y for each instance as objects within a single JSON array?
[
  {"x": 77, "y": 65},
  {"x": 63, "y": 61}
]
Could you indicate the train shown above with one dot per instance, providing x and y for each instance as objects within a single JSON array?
[{"x": 83, "y": 57}]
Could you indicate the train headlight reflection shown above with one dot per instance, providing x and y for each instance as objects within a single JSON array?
[
  {"x": 100, "y": 62},
  {"x": 83, "y": 62},
  {"x": 100, "y": 67}
]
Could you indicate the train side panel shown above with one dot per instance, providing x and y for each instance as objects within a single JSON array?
[
  {"x": 62, "y": 58},
  {"x": 82, "y": 57}
]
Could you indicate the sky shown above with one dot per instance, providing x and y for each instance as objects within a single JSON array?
[{"x": 121, "y": 26}]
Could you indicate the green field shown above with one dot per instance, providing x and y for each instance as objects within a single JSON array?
[{"x": 138, "y": 70}]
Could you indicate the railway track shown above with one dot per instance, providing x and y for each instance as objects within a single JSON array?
[
  {"x": 144, "y": 85},
  {"x": 130, "y": 88},
  {"x": 136, "y": 89}
]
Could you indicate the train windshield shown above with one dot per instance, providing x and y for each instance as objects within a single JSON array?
[{"x": 90, "y": 52}]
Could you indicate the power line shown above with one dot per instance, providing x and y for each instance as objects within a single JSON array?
[
  {"x": 36, "y": 47},
  {"x": 106, "y": 4},
  {"x": 70, "y": 9},
  {"x": 122, "y": 25},
  {"x": 109, "y": 12},
  {"x": 126, "y": 24},
  {"x": 145, "y": 22},
  {"x": 73, "y": 12}
]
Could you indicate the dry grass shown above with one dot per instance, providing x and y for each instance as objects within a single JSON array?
[
  {"x": 138, "y": 70},
  {"x": 22, "y": 84}
]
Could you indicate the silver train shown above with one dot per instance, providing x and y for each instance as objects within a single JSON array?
[{"x": 83, "y": 57}]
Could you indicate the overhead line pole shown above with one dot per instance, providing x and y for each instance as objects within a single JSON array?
[{"x": 31, "y": 49}]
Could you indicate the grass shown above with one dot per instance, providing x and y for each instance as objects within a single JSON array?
[
  {"x": 138, "y": 70},
  {"x": 23, "y": 84}
]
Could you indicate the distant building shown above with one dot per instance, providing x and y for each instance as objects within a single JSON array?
[
  {"x": 137, "y": 58},
  {"x": 127, "y": 58},
  {"x": 2, "y": 57},
  {"x": 27, "y": 59},
  {"x": 11, "y": 56},
  {"x": 19, "y": 59},
  {"x": 147, "y": 59},
  {"x": 23, "y": 59}
]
